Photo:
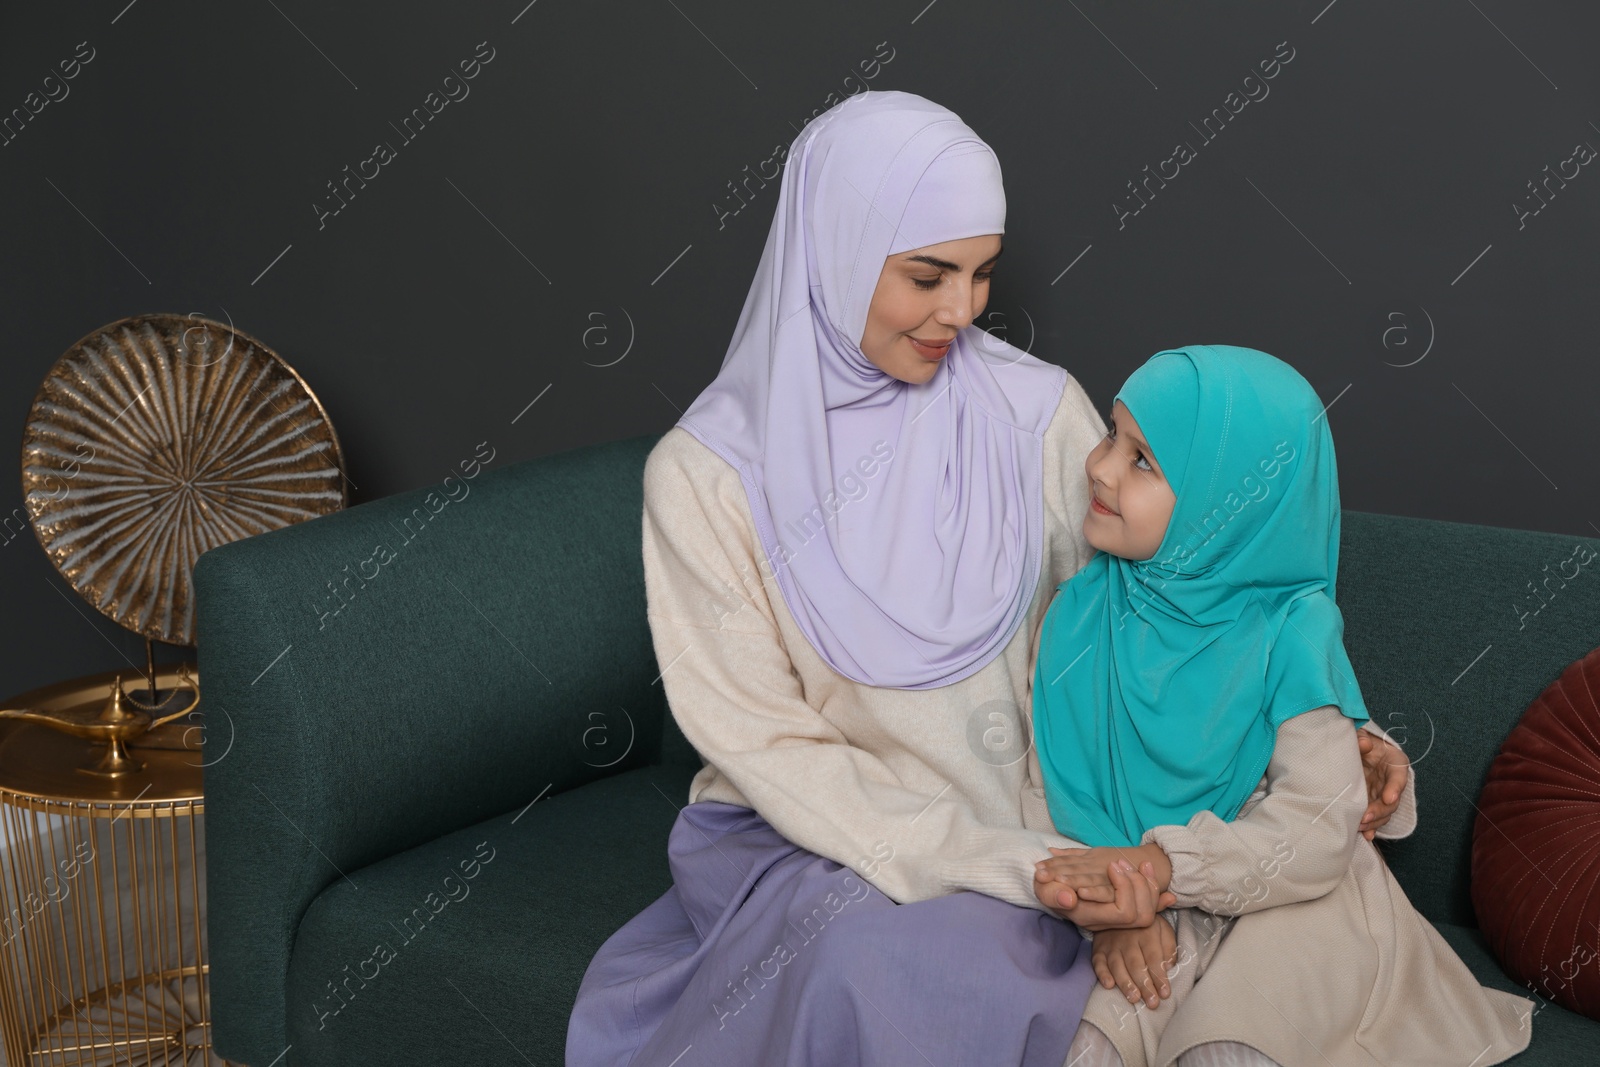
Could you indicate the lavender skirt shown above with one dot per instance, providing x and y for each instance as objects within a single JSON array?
[{"x": 765, "y": 953}]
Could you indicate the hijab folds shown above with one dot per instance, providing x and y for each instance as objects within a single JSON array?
[
  {"x": 903, "y": 523},
  {"x": 1160, "y": 683}
]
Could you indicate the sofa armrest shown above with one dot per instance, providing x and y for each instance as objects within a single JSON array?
[{"x": 382, "y": 676}]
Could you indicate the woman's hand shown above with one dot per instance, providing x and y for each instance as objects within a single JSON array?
[
  {"x": 1137, "y": 961},
  {"x": 1083, "y": 879},
  {"x": 1386, "y": 767},
  {"x": 1085, "y": 870},
  {"x": 1135, "y": 900}
]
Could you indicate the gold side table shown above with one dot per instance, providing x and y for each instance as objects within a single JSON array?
[{"x": 102, "y": 885}]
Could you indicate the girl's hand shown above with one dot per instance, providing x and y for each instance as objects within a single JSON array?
[
  {"x": 1137, "y": 961},
  {"x": 1386, "y": 767}
]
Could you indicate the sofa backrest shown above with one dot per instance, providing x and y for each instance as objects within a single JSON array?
[
  {"x": 478, "y": 635},
  {"x": 1453, "y": 629}
]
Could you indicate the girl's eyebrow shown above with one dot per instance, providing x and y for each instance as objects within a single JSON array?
[{"x": 1140, "y": 443}]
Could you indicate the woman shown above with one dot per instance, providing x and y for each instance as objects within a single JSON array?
[{"x": 849, "y": 540}]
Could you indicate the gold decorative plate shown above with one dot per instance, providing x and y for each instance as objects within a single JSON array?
[{"x": 157, "y": 438}]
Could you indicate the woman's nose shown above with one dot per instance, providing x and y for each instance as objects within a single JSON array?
[{"x": 956, "y": 307}]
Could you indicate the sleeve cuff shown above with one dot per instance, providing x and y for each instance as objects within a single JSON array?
[
  {"x": 999, "y": 863},
  {"x": 1190, "y": 876}
]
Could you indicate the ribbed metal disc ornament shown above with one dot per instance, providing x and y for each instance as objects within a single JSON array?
[{"x": 157, "y": 438}]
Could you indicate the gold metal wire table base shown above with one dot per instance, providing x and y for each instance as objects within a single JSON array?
[
  {"x": 102, "y": 895},
  {"x": 98, "y": 1028}
]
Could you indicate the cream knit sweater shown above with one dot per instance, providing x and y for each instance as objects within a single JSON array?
[{"x": 920, "y": 792}]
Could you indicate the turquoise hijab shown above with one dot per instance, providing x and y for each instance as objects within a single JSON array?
[{"x": 1160, "y": 684}]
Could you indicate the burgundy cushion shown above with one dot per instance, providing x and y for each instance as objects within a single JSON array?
[{"x": 1536, "y": 844}]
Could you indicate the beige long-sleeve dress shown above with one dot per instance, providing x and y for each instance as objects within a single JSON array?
[{"x": 1295, "y": 939}]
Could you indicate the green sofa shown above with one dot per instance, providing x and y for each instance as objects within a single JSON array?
[{"x": 431, "y": 797}]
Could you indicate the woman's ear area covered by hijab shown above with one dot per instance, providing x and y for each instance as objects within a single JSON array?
[{"x": 924, "y": 297}]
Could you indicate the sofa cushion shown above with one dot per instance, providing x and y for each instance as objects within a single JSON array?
[
  {"x": 1536, "y": 843},
  {"x": 483, "y": 934},
  {"x": 1560, "y": 1037},
  {"x": 495, "y": 957}
]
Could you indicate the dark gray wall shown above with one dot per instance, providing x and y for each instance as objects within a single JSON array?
[{"x": 1365, "y": 210}]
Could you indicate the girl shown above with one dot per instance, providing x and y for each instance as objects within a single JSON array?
[{"x": 1198, "y": 649}]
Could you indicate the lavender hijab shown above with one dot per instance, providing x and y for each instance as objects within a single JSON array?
[{"x": 903, "y": 523}]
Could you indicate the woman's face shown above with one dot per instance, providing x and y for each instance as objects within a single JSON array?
[
  {"x": 927, "y": 294},
  {"x": 1131, "y": 501}
]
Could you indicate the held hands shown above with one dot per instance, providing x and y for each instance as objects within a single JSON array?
[
  {"x": 1386, "y": 767},
  {"x": 1098, "y": 888},
  {"x": 1137, "y": 961}
]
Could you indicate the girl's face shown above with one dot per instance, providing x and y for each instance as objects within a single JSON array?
[
  {"x": 1132, "y": 502},
  {"x": 927, "y": 295}
]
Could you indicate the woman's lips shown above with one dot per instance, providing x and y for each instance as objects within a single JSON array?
[
  {"x": 1095, "y": 505},
  {"x": 927, "y": 351}
]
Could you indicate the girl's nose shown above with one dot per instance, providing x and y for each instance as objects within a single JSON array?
[{"x": 1101, "y": 470}]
